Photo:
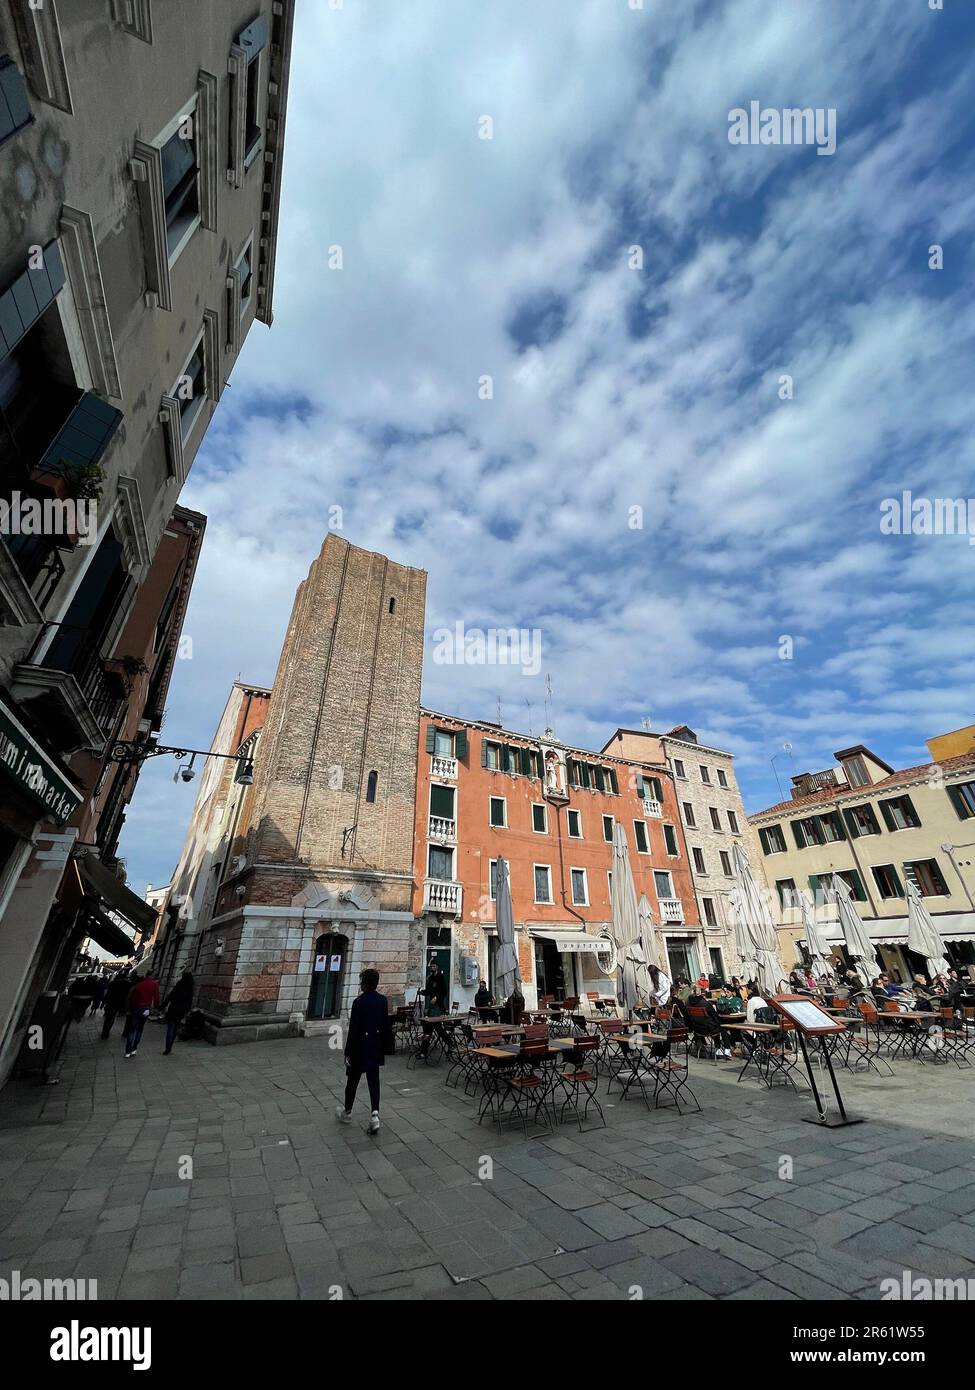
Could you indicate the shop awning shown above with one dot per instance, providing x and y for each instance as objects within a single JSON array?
[
  {"x": 892, "y": 931},
  {"x": 568, "y": 940},
  {"x": 99, "y": 880},
  {"x": 108, "y": 935}
]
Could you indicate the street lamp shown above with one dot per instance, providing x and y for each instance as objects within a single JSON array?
[{"x": 134, "y": 753}]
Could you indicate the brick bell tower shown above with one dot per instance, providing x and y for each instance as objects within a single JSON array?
[{"x": 325, "y": 847}]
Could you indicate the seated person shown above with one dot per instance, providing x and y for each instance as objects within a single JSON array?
[
  {"x": 756, "y": 1003},
  {"x": 710, "y": 1026},
  {"x": 483, "y": 1000}
]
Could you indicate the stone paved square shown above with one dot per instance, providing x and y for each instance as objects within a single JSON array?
[{"x": 284, "y": 1203}]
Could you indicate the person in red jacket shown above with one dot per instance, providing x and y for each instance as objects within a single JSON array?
[{"x": 143, "y": 996}]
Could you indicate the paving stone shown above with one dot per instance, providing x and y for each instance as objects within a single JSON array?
[{"x": 710, "y": 1272}]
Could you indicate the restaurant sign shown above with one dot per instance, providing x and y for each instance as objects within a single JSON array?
[
  {"x": 33, "y": 771},
  {"x": 597, "y": 944}
]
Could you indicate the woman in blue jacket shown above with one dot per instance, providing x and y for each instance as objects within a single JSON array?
[{"x": 368, "y": 1038}]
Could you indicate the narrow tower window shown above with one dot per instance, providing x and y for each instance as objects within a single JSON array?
[
  {"x": 371, "y": 786},
  {"x": 392, "y": 605}
]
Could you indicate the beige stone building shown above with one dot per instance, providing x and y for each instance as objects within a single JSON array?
[
  {"x": 878, "y": 829},
  {"x": 714, "y": 821}
]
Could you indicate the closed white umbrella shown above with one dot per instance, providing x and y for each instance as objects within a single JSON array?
[
  {"x": 815, "y": 942},
  {"x": 923, "y": 936},
  {"x": 755, "y": 927},
  {"x": 855, "y": 934},
  {"x": 654, "y": 947},
  {"x": 508, "y": 973},
  {"x": 625, "y": 925}
]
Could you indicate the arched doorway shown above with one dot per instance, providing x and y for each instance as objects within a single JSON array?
[{"x": 328, "y": 974}]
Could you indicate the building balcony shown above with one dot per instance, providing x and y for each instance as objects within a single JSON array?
[
  {"x": 652, "y": 808},
  {"x": 440, "y": 895},
  {"x": 443, "y": 767},
  {"x": 672, "y": 910},
  {"x": 443, "y": 831},
  {"x": 79, "y": 701}
]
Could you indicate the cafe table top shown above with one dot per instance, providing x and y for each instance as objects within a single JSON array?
[
  {"x": 444, "y": 1018},
  {"x": 496, "y": 1027},
  {"x": 756, "y": 1027}
]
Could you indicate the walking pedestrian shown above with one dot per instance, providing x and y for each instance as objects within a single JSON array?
[
  {"x": 143, "y": 996},
  {"x": 115, "y": 997},
  {"x": 368, "y": 1039},
  {"x": 98, "y": 998},
  {"x": 177, "y": 1004}
]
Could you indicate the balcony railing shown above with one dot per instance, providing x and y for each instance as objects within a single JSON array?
[
  {"x": 443, "y": 767},
  {"x": 652, "y": 807},
  {"x": 672, "y": 909},
  {"x": 440, "y": 895},
  {"x": 442, "y": 830}
]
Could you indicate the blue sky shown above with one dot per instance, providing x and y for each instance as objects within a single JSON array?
[{"x": 614, "y": 388}]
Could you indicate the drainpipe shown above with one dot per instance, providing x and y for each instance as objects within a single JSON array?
[{"x": 578, "y": 915}]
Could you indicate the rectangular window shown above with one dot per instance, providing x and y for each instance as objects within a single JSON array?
[
  {"x": 699, "y": 861},
  {"x": 181, "y": 184},
  {"x": 831, "y": 825},
  {"x": 442, "y": 801},
  {"x": 772, "y": 838},
  {"x": 733, "y": 823},
  {"x": 611, "y": 780},
  {"x": 498, "y": 812},
  {"x": 710, "y": 917},
  {"x": 14, "y": 110},
  {"x": 640, "y": 833},
  {"x": 670, "y": 840},
  {"x": 190, "y": 390},
  {"x": 493, "y": 882},
  {"x": 887, "y": 881},
  {"x": 440, "y": 863},
  {"x": 679, "y": 770},
  {"x": 786, "y": 889},
  {"x": 899, "y": 813},
  {"x": 856, "y": 771},
  {"x": 807, "y": 832},
  {"x": 574, "y": 819},
  {"x": 539, "y": 818},
  {"x": 580, "y": 888},
  {"x": 860, "y": 820},
  {"x": 688, "y": 810},
  {"x": 722, "y": 777},
  {"x": 854, "y": 882},
  {"x": 705, "y": 774},
  {"x": 715, "y": 818},
  {"x": 543, "y": 883},
  {"x": 663, "y": 883},
  {"x": 491, "y": 753},
  {"x": 726, "y": 863},
  {"x": 962, "y": 797},
  {"x": 927, "y": 878},
  {"x": 245, "y": 272},
  {"x": 608, "y": 829},
  {"x": 443, "y": 744}
]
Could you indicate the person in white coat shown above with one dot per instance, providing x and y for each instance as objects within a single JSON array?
[{"x": 661, "y": 987}]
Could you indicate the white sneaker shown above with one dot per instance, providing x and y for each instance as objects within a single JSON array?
[
  {"x": 373, "y": 1126},
  {"x": 342, "y": 1115}
]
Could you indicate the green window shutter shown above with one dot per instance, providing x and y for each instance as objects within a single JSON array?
[
  {"x": 670, "y": 839},
  {"x": 600, "y": 779},
  {"x": 614, "y": 785},
  {"x": 814, "y": 885},
  {"x": 14, "y": 109},
  {"x": 85, "y": 435},
  {"x": 658, "y": 791},
  {"x": 888, "y": 815},
  {"x": 897, "y": 882},
  {"x": 799, "y": 834},
  {"x": 442, "y": 801},
  {"x": 852, "y": 828},
  {"x": 431, "y": 738},
  {"x": 484, "y": 752},
  {"x": 912, "y": 814},
  {"x": 254, "y": 38},
  {"x": 526, "y": 762},
  {"x": 27, "y": 298},
  {"x": 962, "y": 809},
  {"x": 460, "y": 743},
  {"x": 857, "y": 889},
  {"x": 766, "y": 843}
]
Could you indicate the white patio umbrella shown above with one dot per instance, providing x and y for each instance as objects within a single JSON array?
[
  {"x": 654, "y": 947},
  {"x": 755, "y": 928},
  {"x": 923, "y": 936},
  {"x": 855, "y": 934},
  {"x": 506, "y": 967},
  {"x": 815, "y": 940},
  {"x": 625, "y": 925}
]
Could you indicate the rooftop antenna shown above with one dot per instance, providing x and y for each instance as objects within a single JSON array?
[
  {"x": 646, "y": 724},
  {"x": 528, "y": 703},
  {"x": 500, "y": 720},
  {"x": 548, "y": 697}
]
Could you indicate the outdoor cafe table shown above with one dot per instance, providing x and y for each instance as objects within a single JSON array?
[
  {"x": 503, "y": 1055},
  {"x": 510, "y": 1030},
  {"x": 766, "y": 1062},
  {"x": 430, "y": 1034}
]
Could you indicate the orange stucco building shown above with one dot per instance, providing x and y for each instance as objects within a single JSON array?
[{"x": 484, "y": 793}]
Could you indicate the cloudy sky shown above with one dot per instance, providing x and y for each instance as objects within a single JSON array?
[{"x": 614, "y": 387}]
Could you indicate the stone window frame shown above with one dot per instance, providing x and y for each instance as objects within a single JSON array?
[
  {"x": 79, "y": 252},
  {"x": 135, "y": 17},
  {"x": 539, "y": 806},
  {"x": 646, "y": 837},
  {"x": 503, "y": 823},
  {"x": 571, "y": 811},
  {"x": 145, "y": 168},
  {"x": 170, "y": 416},
  {"x": 240, "y": 159},
  {"x": 550, "y": 900},
  {"x": 236, "y": 309},
  {"x": 579, "y": 902},
  {"x": 42, "y": 48}
]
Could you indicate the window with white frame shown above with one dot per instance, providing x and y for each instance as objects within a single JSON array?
[
  {"x": 248, "y": 75},
  {"x": 679, "y": 770},
  {"x": 725, "y": 863},
  {"x": 663, "y": 883},
  {"x": 608, "y": 829},
  {"x": 135, "y": 17},
  {"x": 493, "y": 880},
  {"x": 733, "y": 823},
  {"x": 641, "y": 836},
  {"x": 699, "y": 861},
  {"x": 710, "y": 916},
  {"x": 722, "y": 777},
  {"x": 543, "y": 883},
  {"x": 197, "y": 384},
  {"x": 688, "y": 810},
  {"x": 191, "y": 388},
  {"x": 498, "y": 812},
  {"x": 705, "y": 774},
  {"x": 574, "y": 819},
  {"x": 539, "y": 818},
  {"x": 670, "y": 840},
  {"x": 580, "y": 887},
  {"x": 715, "y": 818},
  {"x": 240, "y": 296}
]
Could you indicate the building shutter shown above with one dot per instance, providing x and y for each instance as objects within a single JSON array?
[
  {"x": 442, "y": 801},
  {"x": 254, "y": 38},
  {"x": 526, "y": 761},
  {"x": 895, "y": 879},
  {"x": 28, "y": 297},
  {"x": 14, "y": 109},
  {"x": 460, "y": 743},
  {"x": 431, "y": 738},
  {"x": 484, "y": 752},
  {"x": 814, "y": 886},
  {"x": 656, "y": 788},
  {"x": 962, "y": 808},
  {"x": 855, "y": 882},
  {"x": 852, "y": 828},
  {"x": 612, "y": 782},
  {"x": 888, "y": 815},
  {"x": 798, "y": 834},
  {"x": 85, "y": 435},
  {"x": 600, "y": 779}
]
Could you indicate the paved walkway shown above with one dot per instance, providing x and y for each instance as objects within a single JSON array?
[{"x": 743, "y": 1201}]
